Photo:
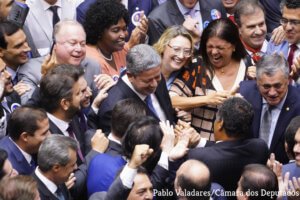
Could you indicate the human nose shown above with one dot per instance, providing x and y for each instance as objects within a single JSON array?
[
  {"x": 272, "y": 91},
  {"x": 26, "y": 47},
  {"x": 258, "y": 30}
]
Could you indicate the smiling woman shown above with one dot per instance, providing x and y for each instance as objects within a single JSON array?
[{"x": 106, "y": 28}]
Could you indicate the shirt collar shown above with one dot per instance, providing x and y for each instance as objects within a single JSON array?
[
  {"x": 126, "y": 80},
  {"x": 27, "y": 156},
  {"x": 46, "y": 5},
  {"x": 12, "y": 72},
  {"x": 111, "y": 137},
  {"x": 48, "y": 183},
  {"x": 183, "y": 10},
  {"x": 62, "y": 125}
]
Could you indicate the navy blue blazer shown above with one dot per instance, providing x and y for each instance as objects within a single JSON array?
[
  {"x": 121, "y": 91},
  {"x": 290, "y": 109},
  {"x": 15, "y": 156},
  {"x": 168, "y": 14}
]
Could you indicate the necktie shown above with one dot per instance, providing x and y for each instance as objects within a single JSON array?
[
  {"x": 231, "y": 17},
  {"x": 266, "y": 124},
  {"x": 15, "y": 80},
  {"x": 256, "y": 53},
  {"x": 59, "y": 194},
  {"x": 32, "y": 164},
  {"x": 293, "y": 49},
  {"x": 148, "y": 101},
  {"x": 55, "y": 17},
  {"x": 82, "y": 121},
  {"x": 72, "y": 135}
]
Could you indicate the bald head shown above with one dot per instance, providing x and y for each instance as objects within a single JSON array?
[{"x": 193, "y": 175}]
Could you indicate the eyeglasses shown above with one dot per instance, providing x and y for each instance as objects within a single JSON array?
[
  {"x": 177, "y": 50},
  {"x": 293, "y": 22}
]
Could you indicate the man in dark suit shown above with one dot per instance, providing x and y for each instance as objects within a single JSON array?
[
  {"x": 274, "y": 101},
  {"x": 227, "y": 158},
  {"x": 173, "y": 12},
  {"x": 27, "y": 128},
  {"x": 143, "y": 81},
  {"x": 56, "y": 162}
]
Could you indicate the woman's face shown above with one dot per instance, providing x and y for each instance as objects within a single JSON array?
[
  {"x": 113, "y": 38},
  {"x": 219, "y": 52},
  {"x": 176, "y": 53}
]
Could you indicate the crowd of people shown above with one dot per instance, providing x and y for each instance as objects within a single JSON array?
[{"x": 149, "y": 99}]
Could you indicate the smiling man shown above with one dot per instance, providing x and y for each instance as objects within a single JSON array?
[
  {"x": 143, "y": 81},
  {"x": 250, "y": 19},
  {"x": 275, "y": 102}
]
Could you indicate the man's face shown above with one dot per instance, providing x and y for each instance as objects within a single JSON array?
[
  {"x": 188, "y": 3},
  {"x": 253, "y": 29},
  {"x": 297, "y": 147},
  {"x": 273, "y": 88},
  {"x": 39, "y": 136},
  {"x": 147, "y": 81},
  {"x": 142, "y": 188},
  {"x": 292, "y": 31},
  {"x": 113, "y": 38},
  {"x": 76, "y": 100},
  {"x": 6, "y": 78},
  {"x": 5, "y": 7},
  {"x": 63, "y": 172},
  {"x": 229, "y": 4},
  {"x": 17, "y": 48},
  {"x": 70, "y": 47},
  {"x": 86, "y": 93}
]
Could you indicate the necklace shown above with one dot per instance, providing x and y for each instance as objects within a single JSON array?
[
  {"x": 222, "y": 70},
  {"x": 103, "y": 56}
]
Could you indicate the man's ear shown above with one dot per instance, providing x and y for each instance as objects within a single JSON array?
[
  {"x": 56, "y": 167},
  {"x": 1, "y": 52},
  {"x": 24, "y": 136},
  {"x": 64, "y": 104},
  {"x": 220, "y": 125}
]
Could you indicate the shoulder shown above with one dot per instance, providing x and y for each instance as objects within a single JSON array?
[{"x": 162, "y": 8}]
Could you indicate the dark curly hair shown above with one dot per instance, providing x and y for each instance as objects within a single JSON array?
[{"x": 100, "y": 16}]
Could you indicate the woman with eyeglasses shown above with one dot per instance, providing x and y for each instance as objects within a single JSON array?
[
  {"x": 175, "y": 47},
  {"x": 213, "y": 78}
]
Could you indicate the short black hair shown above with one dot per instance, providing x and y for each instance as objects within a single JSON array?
[
  {"x": 102, "y": 15},
  {"x": 7, "y": 28},
  {"x": 292, "y": 4},
  {"x": 24, "y": 119},
  {"x": 290, "y": 133},
  {"x": 237, "y": 115},
  {"x": 124, "y": 113}
]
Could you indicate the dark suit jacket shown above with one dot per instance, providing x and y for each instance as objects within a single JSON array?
[
  {"x": 168, "y": 14},
  {"x": 290, "y": 109},
  {"x": 227, "y": 159},
  {"x": 15, "y": 156},
  {"x": 121, "y": 91},
  {"x": 45, "y": 193}
]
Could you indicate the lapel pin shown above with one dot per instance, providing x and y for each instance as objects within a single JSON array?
[{"x": 287, "y": 109}]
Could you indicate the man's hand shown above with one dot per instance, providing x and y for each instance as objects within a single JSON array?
[
  {"x": 278, "y": 35},
  {"x": 21, "y": 88},
  {"x": 49, "y": 63},
  {"x": 100, "y": 97},
  {"x": 181, "y": 148},
  {"x": 192, "y": 26},
  {"x": 295, "y": 69},
  {"x": 99, "y": 141},
  {"x": 167, "y": 142},
  {"x": 71, "y": 181},
  {"x": 103, "y": 81},
  {"x": 139, "y": 33},
  {"x": 251, "y": 72},
  {"x": 140, "y": 154}
]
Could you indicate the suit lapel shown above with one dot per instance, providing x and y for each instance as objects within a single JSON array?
[
  {"x": 54, "y": 129},
  {"x": 174, "y": 11},
  {"x": 43, "y": 190}
]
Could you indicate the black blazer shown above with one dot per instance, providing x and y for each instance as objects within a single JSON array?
[
  {"x": 227, "y": 159},
  {"x": 45, "y": 193},
  {"x": 121, "y": 91}
]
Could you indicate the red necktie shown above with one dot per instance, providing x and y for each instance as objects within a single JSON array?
[
  {"x": 255, "y": 52},
  {"x": 290, "y": 59},
  {"x": 231, "y": 17}
]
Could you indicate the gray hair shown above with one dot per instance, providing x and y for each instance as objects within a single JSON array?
[
  {"x": 142, "y": 57},
  {"x": 248, "y": 7},
  {"x": 64, "y": 24},
  {"x": 55, "y": 150},
  {"x": 270, "y": 64}
]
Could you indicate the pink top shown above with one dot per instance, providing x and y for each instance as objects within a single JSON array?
[{"x": 106, "y": 68}]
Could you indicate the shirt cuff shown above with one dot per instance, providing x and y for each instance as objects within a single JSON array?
[
  {"x": 202, "y": 142},
  {"x": 164, "y": 161},
  {"x": 127, "y": 176},
  {"x": 95, "y": 109}
]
